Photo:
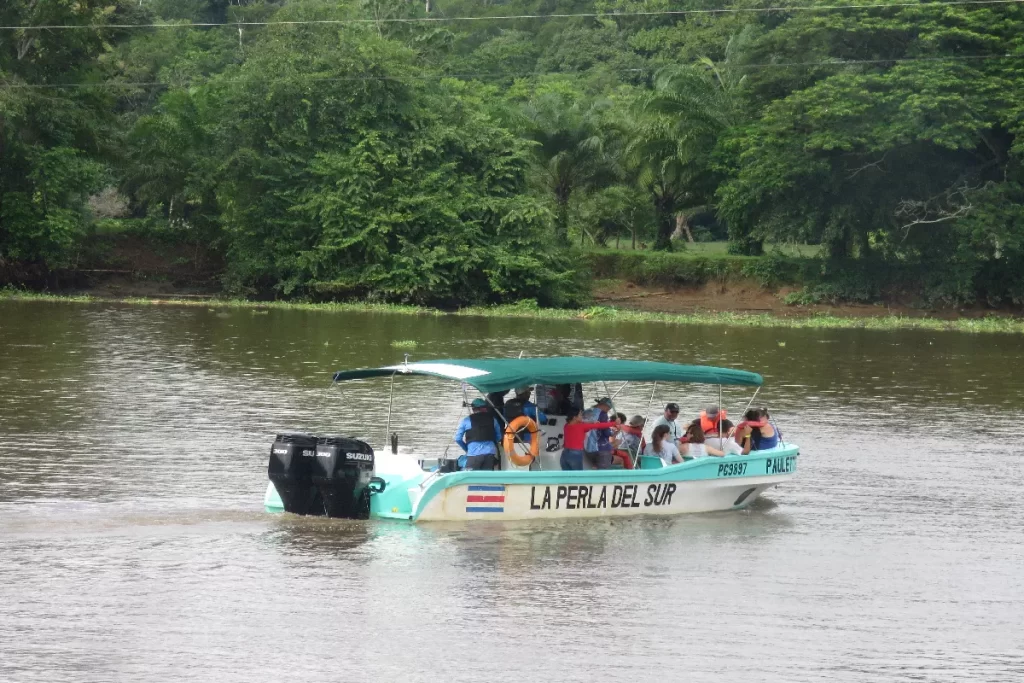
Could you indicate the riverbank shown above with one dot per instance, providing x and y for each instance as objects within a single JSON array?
[
  {"x": 699, "y": 283},
  {"x": 597, "y": 314}
]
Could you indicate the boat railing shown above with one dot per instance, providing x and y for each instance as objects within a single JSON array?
[{"x": 429, "y": 478}]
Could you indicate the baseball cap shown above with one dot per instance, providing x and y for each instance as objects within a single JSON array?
[
  {"x": 478, "y": 403},
  {"x": 712, "y": 412},
  {"x": 672, "y": 407},
  {"x": 605, "y": 401}
]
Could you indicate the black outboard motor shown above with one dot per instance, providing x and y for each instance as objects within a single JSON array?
[
  {"x": 291, "y": 470},
  {"x": 341, "y": 474}
]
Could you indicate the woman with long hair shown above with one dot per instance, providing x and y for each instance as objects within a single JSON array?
[
  {"x": 756, "y": 432},
  {"x": 663, "y": 447}
]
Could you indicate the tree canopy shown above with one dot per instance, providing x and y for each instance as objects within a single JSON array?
[{"x": 349, "y": 149}]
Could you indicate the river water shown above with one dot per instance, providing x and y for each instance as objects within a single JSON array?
[{"x": 133, "y": 545}]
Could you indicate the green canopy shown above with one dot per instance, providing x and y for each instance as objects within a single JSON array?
[{"x": 503, "y": 374}]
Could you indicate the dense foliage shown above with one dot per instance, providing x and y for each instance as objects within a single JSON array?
[{"x": 346, "y": 149}]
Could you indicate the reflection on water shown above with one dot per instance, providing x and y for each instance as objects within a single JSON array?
[{"x": 133, "y": 446}]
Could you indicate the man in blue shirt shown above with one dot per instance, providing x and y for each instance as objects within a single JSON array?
[
  {"x": 478, "y": 435},
  {"x": 522, "y": 405}
]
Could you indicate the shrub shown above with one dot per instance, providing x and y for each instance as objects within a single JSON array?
[
  {"x": 664, "y": 268},
  {"x": 775, "y": 269}
]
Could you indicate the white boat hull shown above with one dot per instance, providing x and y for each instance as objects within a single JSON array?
[
  {"x": 572, "y": 501},
  {"x": 703, "y": 485}
]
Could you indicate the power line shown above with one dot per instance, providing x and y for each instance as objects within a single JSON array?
[
  {"x": 503, "y": 75},
  {"x": 585, "y": 15}
]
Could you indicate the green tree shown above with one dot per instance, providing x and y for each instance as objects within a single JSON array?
[
  {"x": 343, "y": 177},
  {"x": 569, "y": 152},
  {"x": 52, "y": 137},
  {"x": 615, "y": 212},
  {"x": 674, "y": 135},
  {"x": 869, "y": 155}
]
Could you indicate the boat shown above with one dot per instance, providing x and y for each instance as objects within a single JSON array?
[{"x": 345, "y": 477}]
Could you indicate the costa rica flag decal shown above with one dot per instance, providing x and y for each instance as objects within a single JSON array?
[{"x": 485, "y": 498}]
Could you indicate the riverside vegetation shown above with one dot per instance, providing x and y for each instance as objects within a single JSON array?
[
  {"x": 354, "y": 151},
  {"x": 529, "y": 309}
]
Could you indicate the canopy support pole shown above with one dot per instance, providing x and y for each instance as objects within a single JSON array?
[
  {"x": 319, "y": 412},
  {"x": 720, "y": 444},
  {"x": 536, "y": 415},
  {"x": 465, "y": 404},
  {"x": 391, "y": 400},
  {"x": 646, "y": 420},
  {"x": 501, "y": 417},
  {"x": 619, "y": 391},
  {"x": 751, "y": 401},
  {"x": 775, "y": 427}
]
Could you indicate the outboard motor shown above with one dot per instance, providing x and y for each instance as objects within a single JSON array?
[
  {"x": 291, "y": 470},
  {"x": 342, "y": 472}
]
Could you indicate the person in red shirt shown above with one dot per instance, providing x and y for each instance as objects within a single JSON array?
[{"x": 575, "y": 431}]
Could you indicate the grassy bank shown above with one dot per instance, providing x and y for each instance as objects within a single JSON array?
[
  {"x": 696, "y": 267},
  {"x": 528, "y": 310}
]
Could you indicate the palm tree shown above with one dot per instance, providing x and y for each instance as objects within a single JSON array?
[
  {"x": 652, "y": 158},
  {"x": 570, "y": 153},
  {"x": 674, "y": 132}
]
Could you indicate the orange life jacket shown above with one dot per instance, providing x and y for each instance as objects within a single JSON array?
[{"x": 707, "y": 424}]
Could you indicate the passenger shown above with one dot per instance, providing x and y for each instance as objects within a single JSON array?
[
  {"x": 742, "y": 435},
  {"x": 669, "y": 420},
  {"x": 548, "y": 400},
  {"x": 496, "y": 404},
  {"x": 710, "y": 421},
  {"x": 478, "y": 435},
  {"x": 628, "y": 440},
  {"x": 727, "y": 444},
  {"x": 695, "y": 447},
  {"x": 663, "y": 446},
  {"x": 759, "y": 428},
  {"x": 569, "y": 398},
  {"x": 602, "y": 455},
  {"x": 576, "y": 430},
  {"x": 712, "y": 439},
  {"x": 633, "y": 433},
  {"x": 522, "y": 405},
  {"x": 591, "y": 438},
  {"x": 619, "y": 456}
]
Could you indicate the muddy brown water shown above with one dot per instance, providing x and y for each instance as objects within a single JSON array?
[{"x": 133, "y": 545}]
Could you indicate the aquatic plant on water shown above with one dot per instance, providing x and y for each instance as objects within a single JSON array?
[{"x": 594, "y": 315}]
